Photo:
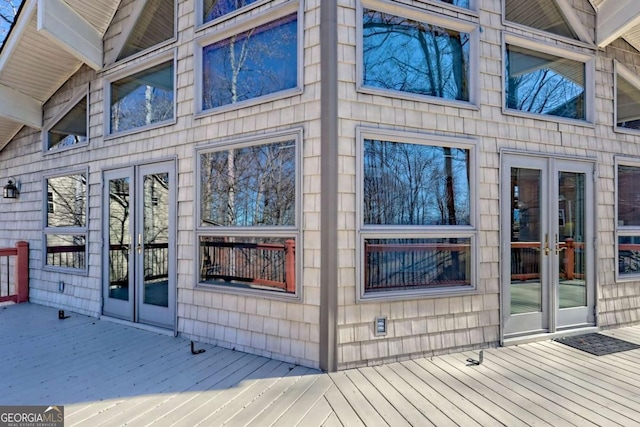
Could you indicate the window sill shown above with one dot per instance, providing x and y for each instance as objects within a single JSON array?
[
  {"x": 422, "y": 99},
  {"x": 626, "y": 131},
  {"x": 248, "y": 103},
  {"x": 111, "y": 136},
  {"x": 65, "y": 149},
  {"x": 389, "y": 296},
  {"x": 548, "y": 118},
  {"x": 240, "y": 291}
]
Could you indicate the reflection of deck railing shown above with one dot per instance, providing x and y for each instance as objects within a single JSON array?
[
  {"x": 156, "y": 263},
  {"x": 16, "y": 259},
  {"x": 265, "y": 264},
  {"x": 525, "y": 259},
  {"x": 400, "y": 266},
  {"x": 66, "y": 256},
  {"x": 628, "y": 258}
]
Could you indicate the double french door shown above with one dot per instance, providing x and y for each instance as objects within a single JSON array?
[
  {"x": 548, "y": 246},
  {"x": 139, "y": 250}
]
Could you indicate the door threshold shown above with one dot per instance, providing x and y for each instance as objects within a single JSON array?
[
  {"x": 547, "y": 336},
  {"x": 149, "y": 328}
]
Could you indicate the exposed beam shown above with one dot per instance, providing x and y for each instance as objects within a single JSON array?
[
  {"x": 60, "y": 23},
  {"x": 20, "y": 108},
  {"x": 616, "y": 17}
]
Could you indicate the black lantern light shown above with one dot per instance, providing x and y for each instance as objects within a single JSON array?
[{"x": 10, "y": 191}]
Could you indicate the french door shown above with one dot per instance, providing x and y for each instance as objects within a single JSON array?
[
  {"x": 139, "y": 250},
  {"x": 547, "y": 211}
]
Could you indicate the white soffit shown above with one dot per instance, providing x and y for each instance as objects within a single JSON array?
[{"x": 617, "y": 18}]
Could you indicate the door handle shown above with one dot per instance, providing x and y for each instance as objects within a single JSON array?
[
  {"x": 546, "y": 248},
  {"x": 558, "y": 248},
  {"x": 139, "y": 247}
]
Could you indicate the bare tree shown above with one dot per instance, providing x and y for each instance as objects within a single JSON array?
[{"x": 8, "y": 12}]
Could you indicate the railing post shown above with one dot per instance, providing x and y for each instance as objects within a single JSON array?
[
  {"x": 571, "y": 259},
  {"x": 290, "y": 265},
  {"x": 22, "y": 272}
]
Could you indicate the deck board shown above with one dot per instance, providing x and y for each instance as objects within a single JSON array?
[{"x": 111, "y": 374}]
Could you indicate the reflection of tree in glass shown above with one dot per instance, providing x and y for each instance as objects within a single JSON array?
[
  {"x": 544, "y": 84},
  {"x": 410, "y": 56},
  {"x": 251, "y": 64},
  {"x": 214, "y": 9},
  {"x": 142, "y": 99},
  {"x": 68, "y": 201},
  {"x": 412, "y": 184},
  {"x": 250, "y": 186}
]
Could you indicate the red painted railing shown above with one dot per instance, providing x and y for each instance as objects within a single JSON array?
[
  {"x": 525, "y": 259},
  {"x": 17, "y": 259}
]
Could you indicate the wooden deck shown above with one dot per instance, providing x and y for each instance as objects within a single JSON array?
[{"x": 109, "y": 374}]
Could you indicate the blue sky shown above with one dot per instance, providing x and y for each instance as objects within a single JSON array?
[{"x": 8, "y": 8}]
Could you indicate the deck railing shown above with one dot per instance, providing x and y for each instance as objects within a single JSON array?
[
  {"x": 269, "y": 265},
  {"x": 525, "y": 259},
  {"x": 14, "y": 273}
]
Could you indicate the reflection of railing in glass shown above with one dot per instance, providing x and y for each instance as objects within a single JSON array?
[
  {"x": 628, "y": 258},
  {"x": 389, "y": 266},
  {"x": 66, "y": 256},
  {"x": 269, "y": 265},
  {"x": 525, "y": 260}
]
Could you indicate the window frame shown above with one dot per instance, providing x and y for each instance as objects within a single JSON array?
[
  {"x": 77, "y": 95},
  {"x": 65, "y": 231},
  {"x": 199, "y": 10},
  {"x": 621, "y": 230},
  {"x": 113, "y": 61},
  {"x": 634, "y": 80},
  {"x": 424, "y": 16},
  {"x": 365, "y": 231},
  {"x": 285, "y": 231},
  {"x": 572, "y": 19},
  {"x": 108, "y": 80},
  {"x": 247, "y": 23},
  {"x": 589, "y": 76}
]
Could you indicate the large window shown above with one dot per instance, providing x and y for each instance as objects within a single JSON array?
[
  {"x": 142, "y": 99},
  {"x": 416, "y": 222},
  {"x": 257, "y": 60},
  {"x": 65, "y": 225},
  {"x": 545, "y": 82},
  {"x": 248, "y": 226},
  {"x": 544, "y": 15},
  {"x": 628, "y": 218},
  {"x": 627, "y": 100},
  {"x": 155, "y": 24},
  {"x": 427, "y": 57}
]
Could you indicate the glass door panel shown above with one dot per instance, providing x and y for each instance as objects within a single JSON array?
[
  {"x": 156, "y": 239},
  {"x": 526, "y": 242}
]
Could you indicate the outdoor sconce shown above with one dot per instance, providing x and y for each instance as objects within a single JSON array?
[{"x": 10, "y": 191}]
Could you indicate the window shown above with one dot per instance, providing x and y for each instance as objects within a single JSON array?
[
  {"x": 69, "y": 128},
  {"x": 142, "y": 99},
  {"x": 628, "y": 218},
  {"x": 544, "y": 15},
  {"x": 248, "y": 226},
  {"x": 251, "y": 65},
  {"x": 627, "y": 99},
  {"x": 416, "y": 217},
  {"x": 214, "y": 9},
  {"x": 65, "y": 225},
  {"x": 154, "y": 23},
  {"x": 548, "y": 81},
  {"x": 427, "y": 57}
]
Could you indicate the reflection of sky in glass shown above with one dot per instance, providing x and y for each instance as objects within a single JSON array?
[
  {"x": 214, "y": 9},
  {"x": 409, "y": 56},
  {"x": 143, "y": 98},
  {"x": 252, "y": 64},
  {"x": 413, "y": 184},
  {"x": 459, "y": 3},
  {"x": 250, "y": 186},
  {"x": 545, "y": 84}
]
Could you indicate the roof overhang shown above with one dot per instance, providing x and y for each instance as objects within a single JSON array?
[{"x": 49, "y": 41}]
